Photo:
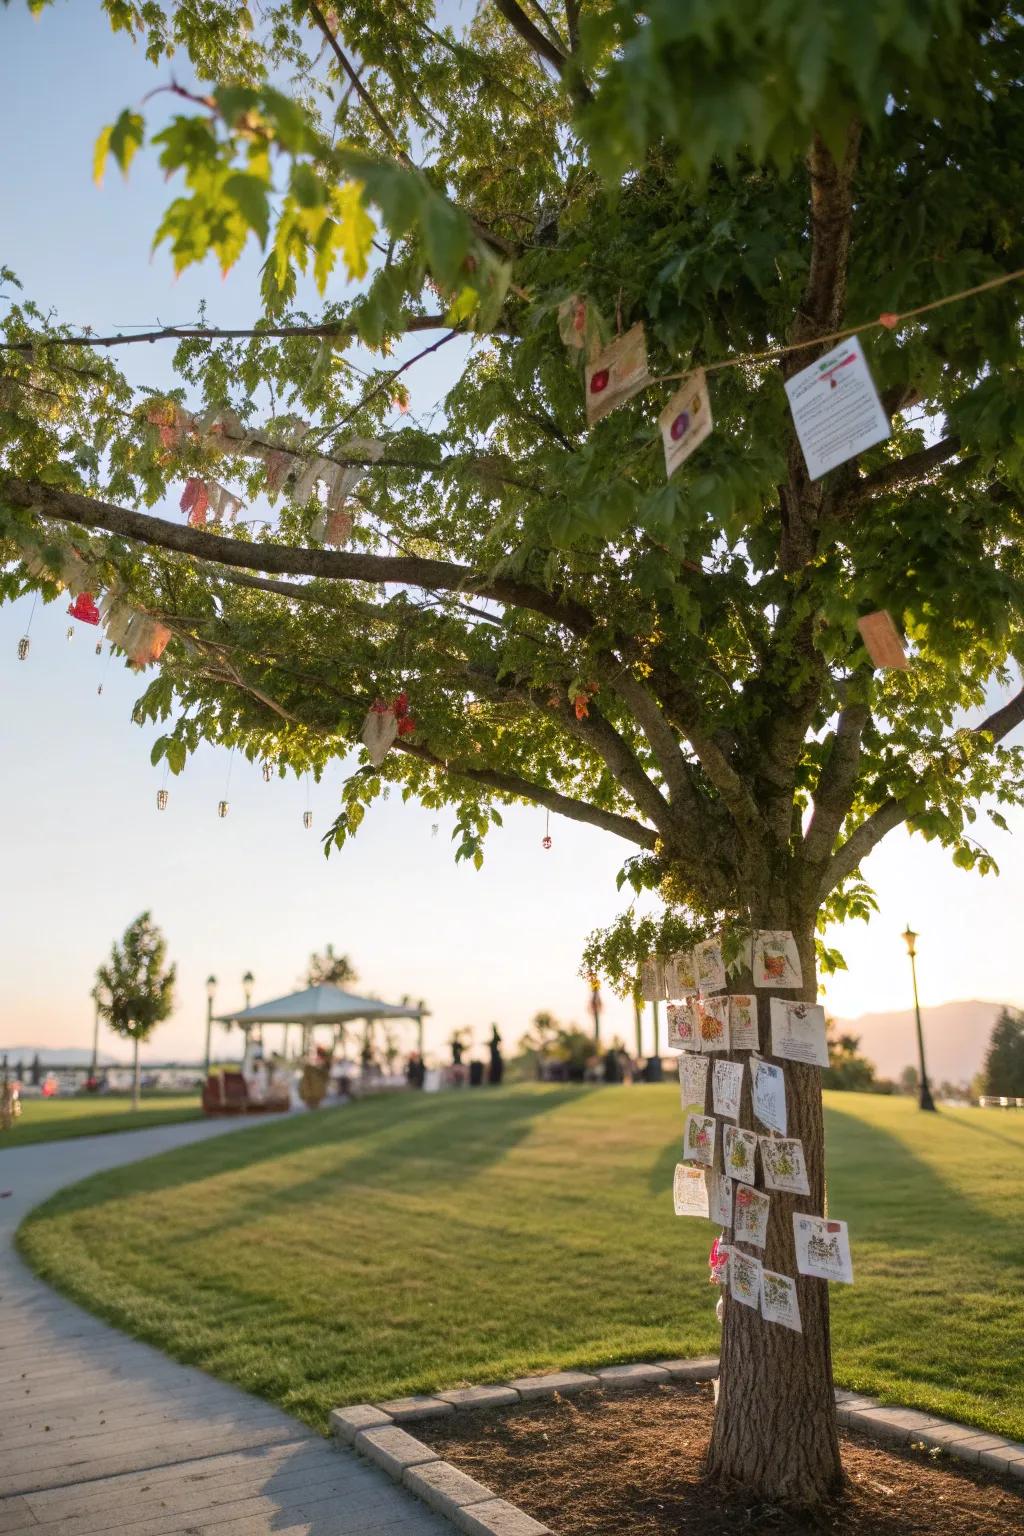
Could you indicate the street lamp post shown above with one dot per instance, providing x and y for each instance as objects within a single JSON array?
[
  {"x": 95, "y": 1034},
  {"x": 211, "y": 987},
  {"x": 925, "y": 1099},
  {"x": 247, "y": 981},
  {"x": 595, "y": 1009}
]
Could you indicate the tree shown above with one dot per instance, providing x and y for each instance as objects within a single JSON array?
[
  {"x": 909, "y": 1080},
  {"x": 848, "y": 1070},
  {"x": 1004, "y": 1061},
  {"x": 328, "y": 969},
  {"x": 677, "y": 663},
  {"x": 134, "y": 991}
]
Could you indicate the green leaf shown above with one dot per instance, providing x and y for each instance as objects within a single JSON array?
[{"x": 249, "y": 193}]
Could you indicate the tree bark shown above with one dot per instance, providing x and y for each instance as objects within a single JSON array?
[
  {"x": 135, "y": 1073},
  {"x": 775, "y": 1421}
]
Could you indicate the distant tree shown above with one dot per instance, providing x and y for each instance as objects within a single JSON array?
[
  {"x": 328, "y": 969},
  {"x": 539, "y": 1039},
  {"x": 1004, "y": 1064},
  {"x": 134, "y": 991},
  {"x": 908, "y": 1080},
  {"x": 848, "y": 1070}
]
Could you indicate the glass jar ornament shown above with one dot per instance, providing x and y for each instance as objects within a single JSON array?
[
  {"x": 70, "y": 632},
  {"x": 268, "y": 773},
  {"x": 161, "y": 799},
  {"x": 545, "y": 841},
  {"x": 23, "y": 645},
  {"x": 222, "y": 808},
  {"x": 99, "y": 647},
  {"x": 307, "y": 819}
]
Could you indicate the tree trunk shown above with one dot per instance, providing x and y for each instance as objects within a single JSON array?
[
  {"x": 135, "y": 1073},
  {"x": 775, "y": 1422}
]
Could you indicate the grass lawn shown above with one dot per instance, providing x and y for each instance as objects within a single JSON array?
[
  {"x": 55, "y": 1119},
  {"x": 414, "y": 1243}
]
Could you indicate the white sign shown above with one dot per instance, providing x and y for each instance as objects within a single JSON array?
[
  {"x": 769, "y": 1092},
  {"x": 719, "y": 1198},
  {"x": 693, "y": 1083},
  {"x": 682, "y": 1034},
  {"x": 742, "y": 1022},
  {"x": 776, "y": 960},
  {"x": 689, "y": 1191},
  {"x": 740, "y": 1148},
  {"x": 744, "y": 1278},
  {"x": 778, "y": 1300},
  {"x": 783, "y": 1162},
  {"x": 836, "y": 409},
  {"x": 686, "y": 420},
  {"x": 798, "y": 1032},
  {"x": 751, "y": 1216},
  {"x": 823, "y": 1248},
  {"x": 726, "y": 1086},
  {"x": 710, "y": 967},
  {"x": 699, "y": 1139}
]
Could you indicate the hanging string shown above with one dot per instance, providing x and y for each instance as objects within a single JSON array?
[
  {"x": 223, "y": 805},
  {"x": 24, "y": 642},
  {"x": 546, "y": 840},
  {"x": 106, "y": 669}
]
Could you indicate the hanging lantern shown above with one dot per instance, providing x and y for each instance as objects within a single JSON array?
[
  {"x": 307, "y": 819},
  {"x": 268, "y": 773},
  {"x": 161, "y": 799},
  {"x": 71, "y": 632},
  {"x": 23, "y": 645},
  {"x": 222, "y": 808},
  {"x": 545, "y": 841},
  {"x": 433, "y": 829},
  {"x": 99, "y": 647},
  {"x": 84, "y": 608},
  {"x": 99, "y": 688}
]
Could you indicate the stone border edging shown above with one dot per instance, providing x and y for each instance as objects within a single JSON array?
[{"x": 374, "y": 1429}]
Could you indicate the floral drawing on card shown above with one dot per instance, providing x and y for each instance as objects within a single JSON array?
[
  {"x": 719, "y": 1198},
  {"x": 778, "y": 1300},
  {"x": 693, "y": 1083},
  {"x": 798, "y": 1032},
  {"x": 699, "y": 1139},
  {"x": 750, "y": 1217},
  {"x": 713, "y": 1016},
  {"x": 726, "y": 1086},
  {"x": 769, "y": 1094},
  {"x": 743, "y": 1022},
  {"x": 686, "y": 420},
  {"x": 823, "y": 1248},
  {"x": 682, "y": 1032},
  {"x": 689, "y": 1191},
  {"x": 782, "y": 1159},
  {"x": 740, "y": 1149},
  {"x": 616, "y": 374},
  {"x": 776, "y": 962},
  {"x": 652, "y": 979},
  {"x": 710, "y": 966},
  {"x": 744, "y": 1278}
]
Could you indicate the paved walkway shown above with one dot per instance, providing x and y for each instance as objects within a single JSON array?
[{"x": 99, "y": 1433}]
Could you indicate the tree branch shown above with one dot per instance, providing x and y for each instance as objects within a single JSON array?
[
  {"x": 915, "y": 466},
  {"x": 837, "y": 783},
  {"x": 540, "y": 44},
  {"x": 336, "y": 329}
]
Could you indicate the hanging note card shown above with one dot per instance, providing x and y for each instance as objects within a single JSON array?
[
  {"x": 739, "y": 1150},
  {"x": 713, "y": 1018},
  {"x": 726, "y": 1085},
  {"x": 686, "y": 420},
  {"x": 652, "y": 979},
  {"x": 744, "y": 1278},
  {"x": 823, "y": 1248},
  {"x": 742, "y": 1022},
  {"x": 616, "y": 374},
  {"x": 798, "y": 1032},
  {"x": 751, "y": 1216},
  {"x": 769, "y": 1093},
  {"x": 882, "y": 641},
  {"x": 719, "y": 1198},
  {"x": 680, "y": 980},
  {"x": 776, "y": 961},
  {"x": 710, "y": 967},
  {"x": 682, "y": 1032},
  {"x": 689, "y": 1191},
  {"x": 782, "y": 1159},
  {"x": 699, "y": 1139},
  {"x": 836, "y": 409},
  {"x": 693, "y": 1083},
  {"x": 778, "y": 1300}
]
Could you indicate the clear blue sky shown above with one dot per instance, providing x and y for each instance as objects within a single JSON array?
[{"x": 83, "y": 848}]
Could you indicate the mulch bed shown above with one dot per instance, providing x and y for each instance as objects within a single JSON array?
[{"x": 604, "y": 1464}]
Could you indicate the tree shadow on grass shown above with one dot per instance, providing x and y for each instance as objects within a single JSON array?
[{"x": 986, "y": 1130}]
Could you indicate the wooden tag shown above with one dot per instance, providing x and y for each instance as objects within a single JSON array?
[{"x": 882, "y": 640}]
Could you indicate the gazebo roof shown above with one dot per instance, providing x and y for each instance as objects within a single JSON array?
[{"x": 325, "y": 1004}]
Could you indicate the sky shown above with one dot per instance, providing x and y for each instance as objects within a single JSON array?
[{"x": 83, "y": 848}]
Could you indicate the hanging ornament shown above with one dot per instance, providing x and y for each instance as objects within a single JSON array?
[
  {"x": 616, "y": 374},
  {"x": 268, "y": 773},
  {"x": 434, "y": 829},
  {"x": 222, "y": 808},
  {"x": 195, "y": 499},
  {"x": 84, "y": 608},
  {"x": 307, "y": 819},
  {"x": 70, "y": 632},
  {"x": 99, "y": 647},
  {"x": 686, "y": 420},
  {"x": 546, "y": 839},
  {"x": 23, "y": 646},
  {"x": 380, "y": 728},
  {"x": 161, "y": 799}
]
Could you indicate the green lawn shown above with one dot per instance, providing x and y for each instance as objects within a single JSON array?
[
  {"x": 55, "y": 1119},
  {"x": 414, "y": 1243}
]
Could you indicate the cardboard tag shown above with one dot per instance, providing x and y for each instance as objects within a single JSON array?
[
  {"x": 798, "y": 1032},
  {"x": 739, "y": 1151},
  {"x": 769, "y": 1093},
  {"x": 693, "y": 1083},
  {"x": 689, "y": 1191},
  {"x": 744, "y": 1278},
  {"x": 713, "y": 1017},
  {"x": 782, "y": 1159},
  {"x": 682, "y": 1033},
  {"x": 750, "y": 1218},
  {"x": 686, "y": 420},
  {"x": 776, "y": 962},
  {"x": 726, "y": 1086},
  {"x": 823, "y": 1248},
  {"x": 616, "y": 374},
  {"x": 882, "y": 640},
  {"x": 779, "y": 1301},
  {"x": 836, "y": 409},
  {"x": 710, "y": 967},
  {"x": 743, "y": 1022},
  {"x": 699, "y": 1139},
  {"x": 652, "y": 979}
]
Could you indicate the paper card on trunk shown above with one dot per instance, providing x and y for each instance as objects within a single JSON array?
[
  {"x": 689, "y": 1191},
  {"x": 798, "y": 1032},
  {"x": 710, "y": 967},
  {"x": 836, "y": 409},
  {"x": 778, "y": 1300},
  {"x": 726, "y": 1086},
  {"x": 769, "y": 1093},
  {"x": 699, "y": 1139},
  {"x": 782, "y": 1160},
  {"x": 776, "y": 961},
  {"x": 616, "y": 374},
  {"x": 750, "y": 1218},
  {"x": 684, "y": 973},
  {"x": 740, "y": 1148},
  {"x": 823, "y": 1248},
  {"x": 682, "y": 1030},
  {"x": 713, "y": 1019},
  {"x": 686, "y": 420},
  {"x": 719, "y": 1197},
  {"x": 652, "y": 979},
  {"x": 743, "y": 1022},
  {"x": 882, "y": 641},
  {"x": 693, "y": 1083},
  {"x": 744, "y": 1278}
]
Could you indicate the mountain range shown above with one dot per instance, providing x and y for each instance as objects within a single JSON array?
[{"x": 956, "y": 1037}]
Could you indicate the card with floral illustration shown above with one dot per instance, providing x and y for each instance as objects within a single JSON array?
[
  {"x": 686, "y": 420},
  {"x": 710, "y": 966},
  {"x": 750, "y": 1216},
  {"x": 693, "y": 1083},
  {"x": 743, "y": 1022},
  {"x": 782, "y": 1159},
  {"x": 823, "y": 1248},
  {"x": 776, "y": 962},
  {"x": 616, "y": 374},
  {"x": 798, "y": 1032},
  {"x": 689, "y": 1191},
  {"x": 699, "y": 1139},
  {"x": 744, "y": 1278},
  {"x": 682, "y": 1028},
  {"x": 719, "y": 1197},
  {"x": 726, "y": 1087},
  {"x": 680, "y": 976},
  {"x": 769, "y": 1092},
  {"x": 778, "y": 1300},
  {"x": 713, "y": 1019},
  {"x": 740, "y": 1149},
  {"x": 652, "y": 979}
]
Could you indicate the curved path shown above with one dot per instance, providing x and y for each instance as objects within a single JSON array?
[{"x": 99, "y": 1433}]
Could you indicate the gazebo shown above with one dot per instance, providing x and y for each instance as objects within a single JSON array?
[{"x": 322, "y": 1005}]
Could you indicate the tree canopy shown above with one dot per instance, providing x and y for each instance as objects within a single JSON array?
[{"x": 1003, "y": 1072}]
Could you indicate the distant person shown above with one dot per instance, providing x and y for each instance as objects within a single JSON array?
[
  {"x": 497, "y": 1067},
  {"x": 458, "y": 1070},
  {"x": 612, "y": 1066}
]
